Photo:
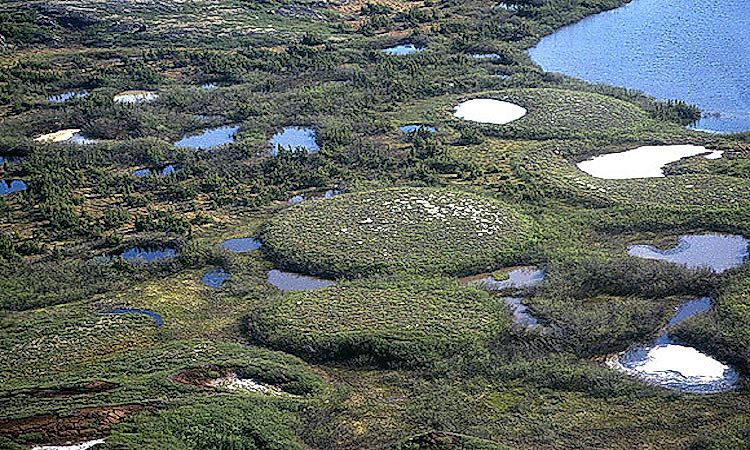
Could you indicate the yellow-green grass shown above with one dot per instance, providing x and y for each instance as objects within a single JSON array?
[
  {"x": 420, "y": 230},
  {"x": 409, "y": 321}
]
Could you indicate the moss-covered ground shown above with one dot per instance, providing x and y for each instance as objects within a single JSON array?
[{"x": 397, "y": 354}]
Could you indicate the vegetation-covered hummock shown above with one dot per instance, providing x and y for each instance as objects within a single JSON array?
[
  {"x": 399, "y": 230},
  {"x": 386, "y": 322},
  {"x": 559, "y": 113}
]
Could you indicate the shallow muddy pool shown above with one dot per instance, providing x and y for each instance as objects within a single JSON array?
[
  {"x": 521, "y": 314},
  {"x": 294, "y": 138},
  {"x": 164, "y": 171},
  {"x": 80, "y": 446},
  {"x": 642, "y": 162},
  {"x": 486, "y": 110},
  {"x": 210, "y": 138},
  {"x": 72, "y": 135},
  {"x": 519, "y": 278},
  {"x": 66, "y": 96},
  {"x": 215, "y": 278},
  {"x": 413, "y": 128},
  {"x": 11, "y": 186},
  {"x": 242, "y": 245},
  {"x": 299, "y": 198},
  {"x": 156, "y": 317},
  {"x": 404, "y": 49},
  {"x": 148, "y": 254},
  {"x": 675, "y": 366},
  {"x": 290, "y": 281},
  {"x": 719, "y": 252},
  {"x": 135, "y": 97}
]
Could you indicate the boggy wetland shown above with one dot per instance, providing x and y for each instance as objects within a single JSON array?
[{"x": 342, "y": 224}]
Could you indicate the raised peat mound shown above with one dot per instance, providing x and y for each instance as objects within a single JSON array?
[
  {"x": 386, "y": 323},
  {"x": 419, "y": 230},
  {"x": 563, "y": 114}
]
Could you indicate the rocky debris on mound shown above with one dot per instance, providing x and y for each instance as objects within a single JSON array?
[{"x": 223, "y": 378}]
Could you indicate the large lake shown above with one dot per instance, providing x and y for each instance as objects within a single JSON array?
[{"x": 692, "y": 50}]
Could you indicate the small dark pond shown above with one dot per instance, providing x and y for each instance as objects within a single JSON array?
[
  {"x": 65, "y": 96},
  {"x": 314, "y": 196},
  {"x": 242, "y": 245},
  {"x": 148, "y": 254},
  {"x": 9, "y": 187},
  {"x": 158, "y": 321},
  {"x": 212, "y": 137},
  {"x": 294, "y": 138},
  {"x": 490, "y": 56},
  {"x": 209, "y": 86},
  {"x": 674, "y": 366},
  {"x": 215, "y": 278},
  {"x": 10, "y": 159},
  {"x": 145, "y": 172},
  {"x": 718, "y": 252},
  {"x": 413, "y": 128},
  {"x": 289, "y": 281},
  {"x": 404, "y": 49}
]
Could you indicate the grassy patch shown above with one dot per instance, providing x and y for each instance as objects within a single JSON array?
[
  {"x": 399, "y": 230},
  {"x": 384, "y": 322}
]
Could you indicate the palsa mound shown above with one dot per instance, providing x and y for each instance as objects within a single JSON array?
[
  {"x": 399, "y": 230},
  {"x": 410, "y": 321}
]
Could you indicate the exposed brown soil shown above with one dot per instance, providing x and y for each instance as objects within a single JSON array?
[{"x": 79, "y": 425}]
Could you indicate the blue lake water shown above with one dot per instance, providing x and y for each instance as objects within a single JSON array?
[
  {"x": 405, "y": 49},
  {"x": 148, "y": 254},
  {"x": 718, "y": 252},
  {"x": 212, "y": 137},
  {"x": 294, "y": 137},
  {"x": 241, "y": 245},
  {"x": 156, "y": 317},
  {"x": 215, "y": 278},
  {"x": 691, "y": 50},
  {"x": 9, "y": 187}
]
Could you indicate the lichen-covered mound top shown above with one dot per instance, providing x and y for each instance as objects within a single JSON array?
[
  {"x": 408, "y": 321},
  {"x": 419, "y": 230}
]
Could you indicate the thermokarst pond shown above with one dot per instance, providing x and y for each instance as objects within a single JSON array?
[
  {"x": 72, "y": 135},
  {"x": 11, "y": 186},
  {"x": 135, "y": 97},
  {"x": 65, "y": 96},
  {"x": 642, "y": 162},
  {"x": 242, "y": 245},
  {"x": 148, "y": 254},
  {"x": 156, "y": 317},
  {"x": 691, "y": 50},
  {"x": 210, "y": 138},
  {"x": 294, "y": 138},
  {"x": 719, "y": 252},
  {"x": 403, "y": 49},
  {"x": 413, "y": 128},
  {"x": 290, "y": 281},
  {"x": 486, "y": 110},
  {"x": 520, "y": 278},
  {"x": 145, "y": 172},
  {"x": 675, "y": 366},
  {"x": 215, "y": 278}
]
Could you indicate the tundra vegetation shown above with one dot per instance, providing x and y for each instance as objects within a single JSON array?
[{"x": 397, "y": 354}]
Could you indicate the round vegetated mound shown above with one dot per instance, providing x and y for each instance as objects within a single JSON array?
[
  {"x": 559, "y": 113},
  {"x": 386, "y": 322},
  {"x": 419, "y": 230}
]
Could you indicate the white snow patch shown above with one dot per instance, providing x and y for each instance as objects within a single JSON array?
[
  {"x": 81, "y": 446},
  {"x": 485, "y": 110},
  {"x": 642, "y": 162}
]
